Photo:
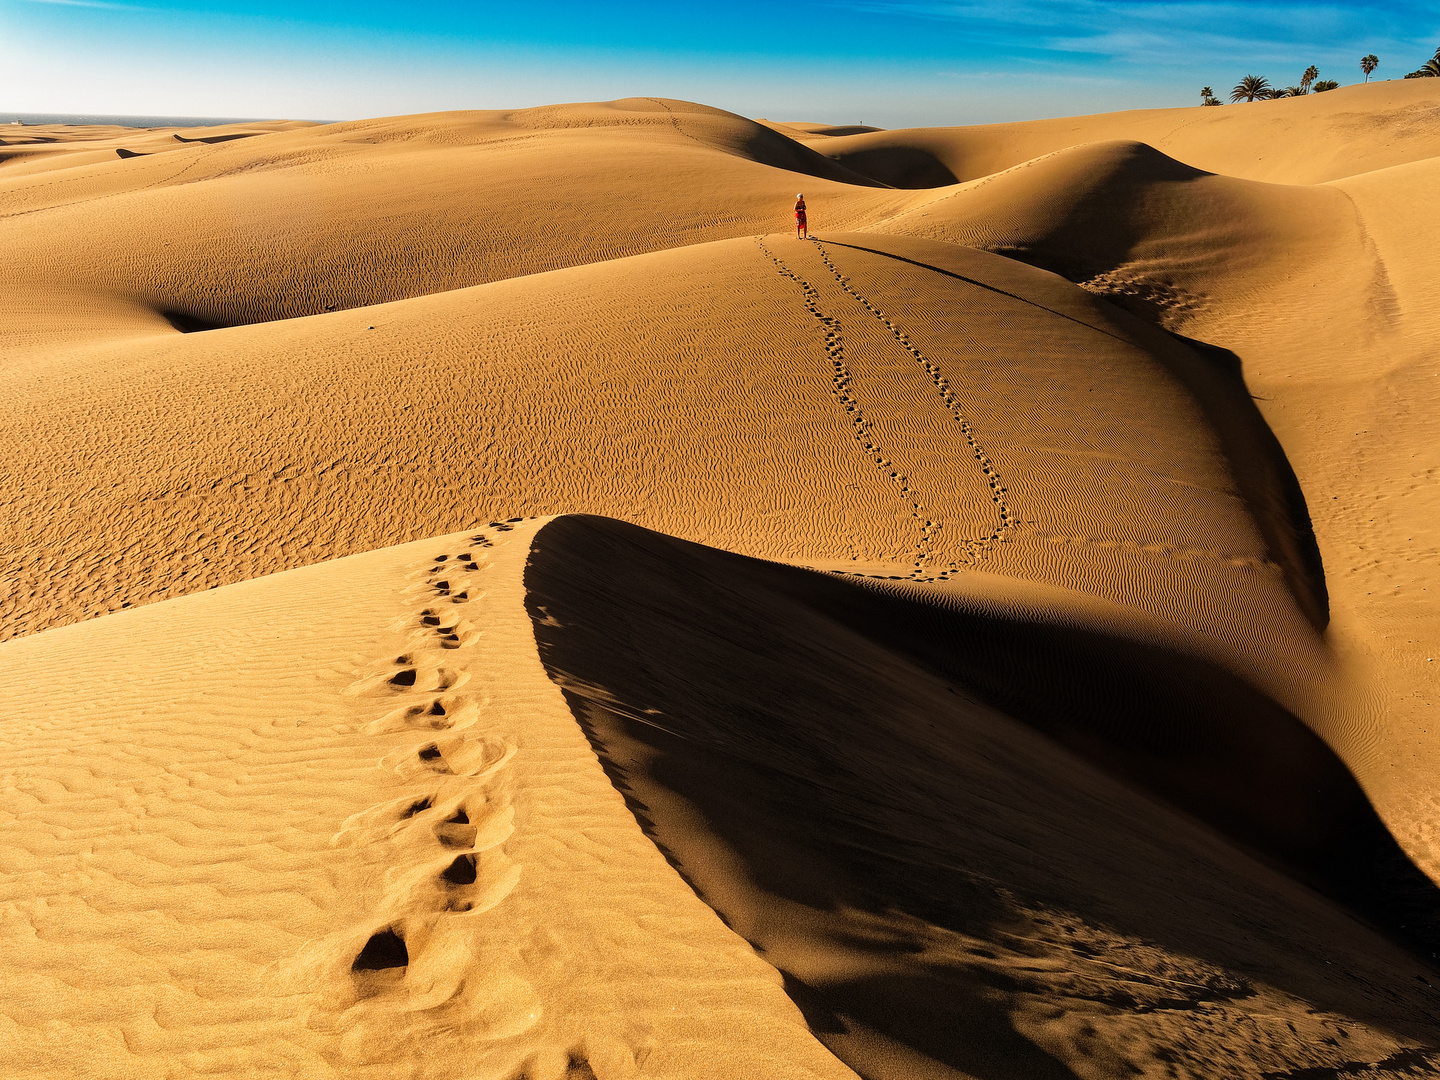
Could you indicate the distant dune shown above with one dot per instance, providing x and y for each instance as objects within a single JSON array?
[{"x": 484, "y": 600}]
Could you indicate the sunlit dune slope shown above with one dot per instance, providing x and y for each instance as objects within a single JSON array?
[
  {"x": 338, "y": 823},
  {"x": 34, "y": 148},
  {"x": 342, "y": 215},
  {"x": 947, "y": 893},
  {"x": 1321, "y": 293},
  {"x": 882, "y": 405},
  {"x": 1168, "y": 241},
  {"x": 1325, "y": 295},
  {"x": 1305, "y": 140}
]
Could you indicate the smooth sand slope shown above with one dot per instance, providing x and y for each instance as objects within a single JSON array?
[
  {"x": 319, "y": 218},
  {"x": 337, "y": 822},
  {"x": 1114, "y": 437}
]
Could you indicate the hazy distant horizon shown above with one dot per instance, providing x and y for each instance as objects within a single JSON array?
[
  {"x": 130, "y": 120},
  {"x": 891, "y": 63}
]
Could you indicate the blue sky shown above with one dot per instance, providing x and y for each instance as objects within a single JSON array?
[{"x": 886, "y": 62}]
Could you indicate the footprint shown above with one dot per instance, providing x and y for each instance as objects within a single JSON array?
[
  {"x": 378, "y": 823},
  {"x": 384, "y": 950},
  {"x": 445, "y": 713},
  {"x": 380, "y": 965},
  {"x": 449, "y": 628},
  {"x": 461, "y": 871},
  {"x": 456, "y": 831},
  {"x": 476, "y": 758},
  {"x": 407, "y": 672},
  {"x": 476, "y": 883}
]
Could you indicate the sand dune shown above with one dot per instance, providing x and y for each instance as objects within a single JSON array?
[
  {"x": 946, "y": 893},
  {"x": 946, "y": 452},
  {"x": 315, "y": 219},
  {"x": 1159, "y": 237},
  {"x": 1101, "y": 743},
  {"x": 1308, "y": 140},
  {"x": 338, "y": 822},
  {"x": 44, "y": 147}
]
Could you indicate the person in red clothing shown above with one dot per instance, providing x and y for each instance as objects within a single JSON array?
[{"x": 800, "y": 226}]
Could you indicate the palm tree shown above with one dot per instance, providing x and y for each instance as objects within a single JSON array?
[
  {"x": 1311, "y": 74},
  {"x": 1429, "y": 70},
  {"x": 1326, "y": 84},
  {"x": 1207, "y": 96},
  {"x": 1249, "y": 88},
  {"x": 1368, "y": 64},
  {"x": 1289, "y": 91}
]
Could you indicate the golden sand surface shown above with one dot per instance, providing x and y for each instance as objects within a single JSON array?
[{"x": 483, "y": 599}]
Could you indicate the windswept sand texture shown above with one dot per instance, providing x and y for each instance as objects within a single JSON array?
[{"x": 1095, "y": 741}]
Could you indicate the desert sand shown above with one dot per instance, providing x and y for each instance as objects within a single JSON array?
[{"x": 483, "y": 600}]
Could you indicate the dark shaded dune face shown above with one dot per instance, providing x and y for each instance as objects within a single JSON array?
[
  {"x": 189, "y": 324},
  {"x": 1264, "y": 476},
  {"x": 945, "y": 149},
  {"x": 945, "y": 888},
  {"x": 899, "y": 166}
]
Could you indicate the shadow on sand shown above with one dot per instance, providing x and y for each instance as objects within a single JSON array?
[{"x": 944, "y": 825}]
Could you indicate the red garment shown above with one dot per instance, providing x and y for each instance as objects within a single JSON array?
[{"x": 800, "y": 213}]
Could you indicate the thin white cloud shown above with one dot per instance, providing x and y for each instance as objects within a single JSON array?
[
  {"x": 1157, "y": 27},
  {"x": 91, "y": 4}
]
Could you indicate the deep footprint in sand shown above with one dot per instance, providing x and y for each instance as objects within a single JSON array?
[
  {"x": 476, "y": 758},
  {"x": 443, "y": 713}
]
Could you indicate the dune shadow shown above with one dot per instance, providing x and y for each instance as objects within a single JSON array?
[
  {"x": 880, "y": 794},
  {"x": 190, "y": 324},
  {"x": 1261, "y": 471},
  {"x": 212, "y": 139},
  {"x": 899, "y": 167}
]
